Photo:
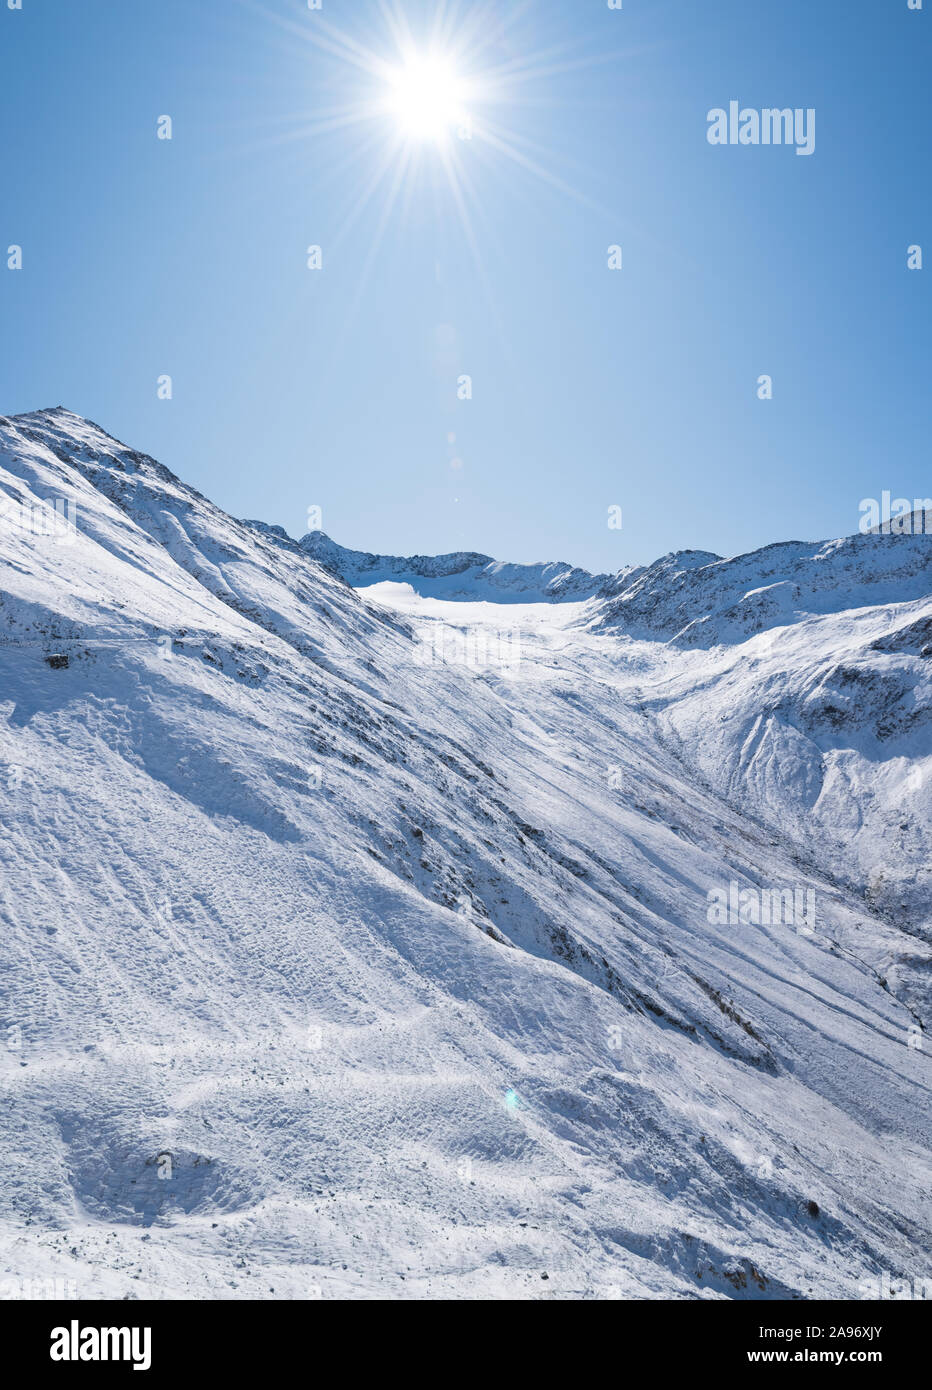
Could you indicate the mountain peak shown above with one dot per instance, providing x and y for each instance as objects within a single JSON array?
[
  {"x": 386, "y": 935},
  {"x": 461, "y": 575}
]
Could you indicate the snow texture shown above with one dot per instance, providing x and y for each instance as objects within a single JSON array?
[{"x": 359, "y": 934}]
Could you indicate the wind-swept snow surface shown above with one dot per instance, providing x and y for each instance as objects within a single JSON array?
[{"x": 378, "y": 944}]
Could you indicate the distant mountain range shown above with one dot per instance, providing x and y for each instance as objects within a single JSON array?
[{"x": 462, "y": 575}]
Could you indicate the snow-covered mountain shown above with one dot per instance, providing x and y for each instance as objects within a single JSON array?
[
  {"x": 462, "y": 575},
  {"x": 696, "y": 599},
  {"x": 374, "y": 938},
  {"x": 815, "y": 669}
]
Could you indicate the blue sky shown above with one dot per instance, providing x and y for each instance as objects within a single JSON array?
[{"x": 337, "y": 387}]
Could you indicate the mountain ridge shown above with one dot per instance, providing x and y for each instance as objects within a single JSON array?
[
  {"x": 459, "y": 574},
  {"x": 402, "y": 961}
]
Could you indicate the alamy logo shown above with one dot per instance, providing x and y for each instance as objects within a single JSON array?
[
  {"x": 76, "y": 1343},
  {"x": 36, "y": 1289},
  {"x": 762, "y": 907},
  {"x": 897, "y": 1290},
  {"x": 772, "y": 125},
  {"x": 896, "y": 516},
  {"x": 475, "y": 647},
  {"x": 41, "y": 518}
]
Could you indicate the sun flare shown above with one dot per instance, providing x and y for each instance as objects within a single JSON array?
[
  {"x": 435, "y": 109},
  {"x": 427, "y": 97}
]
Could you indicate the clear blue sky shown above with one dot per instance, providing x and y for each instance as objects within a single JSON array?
[{"x": 337, "y": 387}]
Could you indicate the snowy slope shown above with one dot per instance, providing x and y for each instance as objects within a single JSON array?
[
  {"x": 814, "y": 661},
  {"x": 696, "y": 599},
  {"x": 360, "y": 944}
]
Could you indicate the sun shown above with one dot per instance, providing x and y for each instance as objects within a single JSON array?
[
  {"x": 433, "y": 109},
  {"x": 427, "y": 97}
]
